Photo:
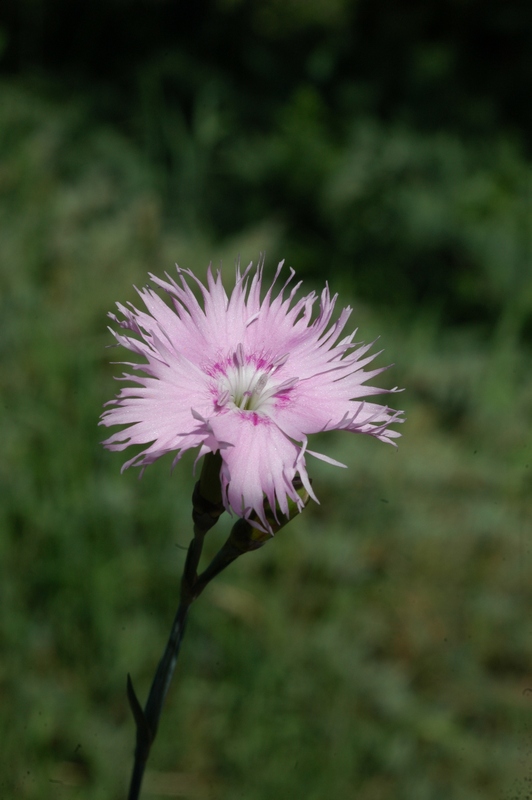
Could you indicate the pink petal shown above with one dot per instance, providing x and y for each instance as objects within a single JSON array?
[{"x": 262, "y": 462}]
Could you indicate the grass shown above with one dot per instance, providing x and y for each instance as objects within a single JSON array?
[{"x": 379, "y": 648}]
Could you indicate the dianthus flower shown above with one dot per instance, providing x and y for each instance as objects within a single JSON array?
[{"x": 248, "y": 378}]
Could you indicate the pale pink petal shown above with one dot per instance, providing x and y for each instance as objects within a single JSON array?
[{"x": 261, "y": 462}]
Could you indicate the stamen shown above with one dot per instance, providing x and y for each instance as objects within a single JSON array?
[
  {"x": 281, "y": 361},
  {"x": 261, "y": 383},
  {"x": 239, "y": 355},
  {"x": 288, "y": 384},
  {"x": 224, "y": 397},
  {"x": 250, "y": 387}
]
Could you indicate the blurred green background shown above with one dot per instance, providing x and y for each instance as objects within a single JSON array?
[{"x": 381, "y": 647}]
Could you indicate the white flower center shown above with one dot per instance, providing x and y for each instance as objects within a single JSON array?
[{"x": 250, "y": 387}]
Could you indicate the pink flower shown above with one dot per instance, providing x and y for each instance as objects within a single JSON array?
[{"x": 251, "y": 379}]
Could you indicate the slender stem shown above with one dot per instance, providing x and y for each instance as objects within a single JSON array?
[
  {"x": 221, "y": 560},
  {"x": 207, "y": 508},
  {"x": 244, "y": 538},
  {"x": 148, "y": 720}
]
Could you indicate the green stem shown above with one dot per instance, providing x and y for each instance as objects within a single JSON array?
[
  {"x": 147, "y": 721},
  {"x": 206, "y": 509},
  {"x": 244, "y": 537}
]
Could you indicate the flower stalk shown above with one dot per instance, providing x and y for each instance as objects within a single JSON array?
[{"x": 244, "y": 538}]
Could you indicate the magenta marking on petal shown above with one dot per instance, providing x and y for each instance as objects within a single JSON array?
[{"x": 260, "y": 362}]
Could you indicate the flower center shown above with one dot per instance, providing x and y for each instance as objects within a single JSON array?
[{"x": 249, "y": 384}]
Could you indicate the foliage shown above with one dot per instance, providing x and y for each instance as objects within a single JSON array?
[
  {"x": 379, "y": 647},
  {"x": 389, "y": 143}
]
